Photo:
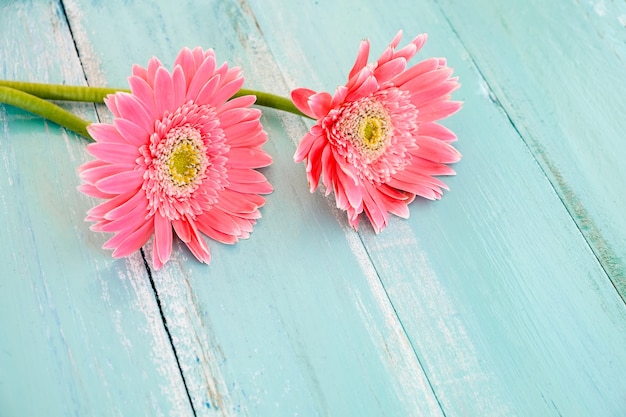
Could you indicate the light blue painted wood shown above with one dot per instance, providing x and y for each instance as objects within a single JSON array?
[
  {"x": 293, "y": 321},
  {"x": 566, "y": 97},
  {"x": 507, "y": 307},
  {"x": 486, "y": 303},
  {"x": 80, "y": 333}
]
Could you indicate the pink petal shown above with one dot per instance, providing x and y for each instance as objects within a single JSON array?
[
  {"x": 361, "y": 58},
  {"x": 92, "y": 191},
  {"x": 436, "y": 150},
  {"x": 102, "y": 209},
  {"x": 205, "y": 96},
  {"x": 121, "y": 183},
  {"x": 238, "y": 102},
  {"x": 426, "y": 80},
  {"x": 180, "y": 86},
  {"x": 182, "y": 229},
  {"x": 353, "y": 191},
  {"x": 320, "y": 104},
  {"x": 220, "y": 221},
  {"x": 398, "y": 208},
  {"x": 407, "y": 52},
  {"x": 198, "y": 56},
  {"x": 386, "y": 56},
  {"x": 153, "y": 65},
  {"x": 419, "y": 41},
  {"x": 139, "y": 201},
  {"x": 95, "y": 174},
  {"x": 233, "y": 116},
  {"x": 305, "y": 146},
  {"x": 252, "y": 140},
  {"x": 164, "y": 95},
  {"x": 252, "y": 188},
  {"x": 103, "y": 132},
  {"x": 116, "y": 153},
  {"x": 95, "y": 163},
  {"x": 426, "y": 167},
  {"x": 437, "y": 92},
  {"x": 369, "y": 86},
  {"x": 245, "y": 176},
  {"x": 248, "y": 158},
  {"x": 437, "y": 131},
  {"x": 127, "y": 244},
  {"x": 314, "y": 162},
  {"x": 389, "y": 69},
  {"x": 198, "y": 246},
  {"x": 424, "y": 189},
  {"x": 144, "y": 93},
  {"x": 131, "y": 220},
  {"x": 396, "y": 39},
  {"x": 425, "y": 66},
  {"x": 328, "y": 168},
  {"x": 134, "y": 134},
  {"x": 185, "y": 60},
  {"x": 300, "y": 98},
  {"x": 226, "y": 91},
  {"x": 218, "y": 236},
  {"x": 439, "y": 111},
  {"x": 204, "y": 73},
  {"x": 139, "y": 71},
  {"x": 130, "y": 108},
  {"x": 162, "y": 240},
  {"x": 392, "y": 193},
  {"x": 375, "y": 209},
  {"x": 340, "y": 95},
  {"x": 243, "y": 129},
  {"x": 110, "y": 102},
  {"x": 236, "y": 203}
]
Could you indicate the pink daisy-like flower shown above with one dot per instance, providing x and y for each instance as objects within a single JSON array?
[
  {"x": 179, "y": 158},
  {"x": 376, "y": 142}
]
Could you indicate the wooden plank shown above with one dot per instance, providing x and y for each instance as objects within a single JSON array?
[
  {"x": 567, "y": 100},
  {"x": 295, "y": 320},
  {"x": 506, "y": 306},
  {"x": 81, "y": 334}
]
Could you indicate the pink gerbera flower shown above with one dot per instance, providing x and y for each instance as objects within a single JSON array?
[
  {"x": 178, "y": 158},
  {"x": 376, "y": 142}
]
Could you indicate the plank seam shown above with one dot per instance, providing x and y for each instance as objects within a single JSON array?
[
  {"x": 143, "y": 256},
  {"x": 602, "y": 253},
  {"x": 404, "y": 331},
  {"x": 167, "y": 330},
  {"x": 69, "y": 27}
]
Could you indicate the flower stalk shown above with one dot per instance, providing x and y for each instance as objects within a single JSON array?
[
  {"x": 98, "y": 94},
  {"x": 43, "y": 108}
]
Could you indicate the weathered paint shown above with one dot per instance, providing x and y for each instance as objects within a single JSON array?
[{"x": 493, "y": 301}]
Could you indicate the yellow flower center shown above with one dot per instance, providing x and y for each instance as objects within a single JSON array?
[
  {"x": 373, "y": 132},
  {"x": 363, "y": 126},
  {"x": 184, "y": 162}
]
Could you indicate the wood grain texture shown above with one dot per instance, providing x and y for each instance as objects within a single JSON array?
[
  {"x": 506, "y": 306},
  {"x": 495, "y": 301},
  {"x": 81, "y": 333},
  {"x": 293, "y": 321},
  {"x": 566, "y": 98}
]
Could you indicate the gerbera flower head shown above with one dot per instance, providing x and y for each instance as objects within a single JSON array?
[
  {"x": 377, "y": 143},
  {"x": 179, "y": 158}
]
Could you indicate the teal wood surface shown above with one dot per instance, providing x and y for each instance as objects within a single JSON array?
[
  {"x": 566, "y": 99},
  {"x": 498, "y": 300},
  {"x": 81, "y": 334}
]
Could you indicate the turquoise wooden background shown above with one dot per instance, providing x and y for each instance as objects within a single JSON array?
[{"x": 505, "y": 298}]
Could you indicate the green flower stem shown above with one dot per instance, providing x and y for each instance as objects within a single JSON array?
[
  {"x": 62, "y": 92},
  {"x": 45, "y": 109},
  {"x": 271, "y": 100},
  {"x": 97, "y": 94}
]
